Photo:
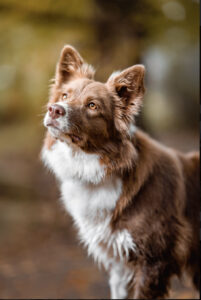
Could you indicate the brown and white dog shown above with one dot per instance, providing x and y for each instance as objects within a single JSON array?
[{"x": 135, "y": 202}]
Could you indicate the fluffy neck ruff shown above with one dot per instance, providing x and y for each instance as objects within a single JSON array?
[{"x": 117, "y": 156}]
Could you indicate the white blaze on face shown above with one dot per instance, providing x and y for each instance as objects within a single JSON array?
[{"x": 62, "y": 125}]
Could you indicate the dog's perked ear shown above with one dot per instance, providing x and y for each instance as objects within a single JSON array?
[
  {"x": 69, "y": 62},
  {"x": 128, "y": 85}
]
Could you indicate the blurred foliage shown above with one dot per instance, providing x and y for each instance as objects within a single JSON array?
[{"x": 109, "y": 34}]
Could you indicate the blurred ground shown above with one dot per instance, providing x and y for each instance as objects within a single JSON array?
[{"x": 40, "y": 256}]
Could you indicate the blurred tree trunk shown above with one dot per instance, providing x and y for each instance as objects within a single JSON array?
[
  {"x": 116, "y": 21},
  {"x": 112, "y": 22}
]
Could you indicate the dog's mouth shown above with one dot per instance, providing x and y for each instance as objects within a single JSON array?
[
  {"x": 75, "y": 138},
  {"x": 55, "y": 125}
]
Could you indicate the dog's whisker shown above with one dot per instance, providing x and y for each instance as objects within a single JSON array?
[{"x": 40, "y": 115}]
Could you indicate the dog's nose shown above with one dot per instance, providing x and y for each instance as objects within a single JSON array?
[{"x": 56, "y": 111}]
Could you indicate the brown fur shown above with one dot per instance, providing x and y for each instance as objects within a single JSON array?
[
  {"x": 162, "y": 212},
  {"x": 159, "y": 204}
]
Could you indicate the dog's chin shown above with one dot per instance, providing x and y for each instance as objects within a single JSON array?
[
  {"x": 64, "y": 136},
  {"x": 55, "y": 132}
]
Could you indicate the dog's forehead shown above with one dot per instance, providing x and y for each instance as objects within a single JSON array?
[
  {"x": 86, "y": 87},
  {"x": 96, "y": 89},
  {"x": 77, "y": 84}
]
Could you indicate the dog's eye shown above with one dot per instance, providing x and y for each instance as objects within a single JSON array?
[
  {"x": 64, "y": 96},
  {"x": 92, "y": 105}
]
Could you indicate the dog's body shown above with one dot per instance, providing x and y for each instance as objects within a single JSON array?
[{"x": 135, "y": 203}]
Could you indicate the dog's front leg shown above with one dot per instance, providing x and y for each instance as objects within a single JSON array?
[
  {"x": 151, "y": 281},
  {"x": 120, "y": 277}
]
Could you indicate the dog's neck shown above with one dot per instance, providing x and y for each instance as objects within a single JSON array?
[{"x": 113, "y": 158}]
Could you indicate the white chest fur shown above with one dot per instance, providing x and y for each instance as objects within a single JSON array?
[
  {"x": 90, "y": 198},
  {"x": 68, "y": 164}
]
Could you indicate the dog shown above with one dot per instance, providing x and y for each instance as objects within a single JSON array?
[{"x": 134, "y": 201}]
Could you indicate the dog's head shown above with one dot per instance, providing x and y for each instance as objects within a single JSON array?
[{"x": 89, "y": 114}]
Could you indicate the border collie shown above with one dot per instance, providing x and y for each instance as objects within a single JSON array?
[{"x": 134, "y": 202}]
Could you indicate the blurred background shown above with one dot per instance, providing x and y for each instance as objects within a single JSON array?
[{"x": 40, "y": 256}]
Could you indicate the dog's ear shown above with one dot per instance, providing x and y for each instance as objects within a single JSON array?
[
  {"x": 69, "y": 63},
  {"x": 128, "y": 85}
]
